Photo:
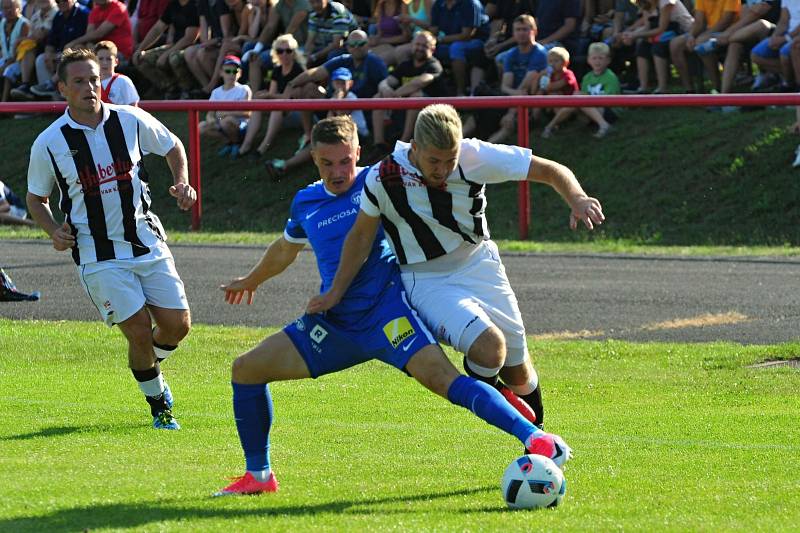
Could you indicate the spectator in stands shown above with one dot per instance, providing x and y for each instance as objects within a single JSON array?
[
  {"x": 228, "y": 125},
  {"x": 416, "y": 16},
  {"x": 599, "y": 81},
  {"x": 773, "y": 54},
  {"x": 390, "y": 31},
  {"x": 462, "y": 28},
  {"x": 108, "y": 21},
  {"x": 165, "y": 65},
  {"x": 69, "y": 23},
  {"x": 367, "y": 69},
  {"x": 711, "y": 17},
  {"x": 502, "y": 14},
  {"x": 329, "y": 23},
  {"x": 287, "y": 16},
  {"x": 598, "y": 19},
  {"x": 523, "y": 66},
  {"x": 147, "y": 13},
  {"x": 419, "y": 76},
  {"x": 243, "y": 16},
  {"x": 12, "y": 208},
  {"x": 216, "y": 28},
  {"x": 660, "y": 21},
  {"x": 288, "y": 61},
  {"x": 342, "y": 83},
  {"x": 41, "y": 21},
  {"x": 558, "y": 22},
  {"x": 756, "y": 22},
  {"x": 115, "y": 88},
  {"x": 558, "y": 79},
  {"x": 14, "y": 29}
]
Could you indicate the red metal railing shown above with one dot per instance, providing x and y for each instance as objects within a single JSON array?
[{"x": 522, "y": 103}]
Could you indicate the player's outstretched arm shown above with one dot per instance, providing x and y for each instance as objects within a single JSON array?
[
  {"x": 61, "y": 235},
  {"x": 355, "y": 250},
  {"x": 181, "y": 190},
  {"x": 279, "y": 255},
  {"x": 584, "y": 208}
]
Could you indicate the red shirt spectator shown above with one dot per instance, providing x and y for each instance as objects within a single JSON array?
[
  {"x": 148, "y": 12},
  {"x": 113, "y": 12}
]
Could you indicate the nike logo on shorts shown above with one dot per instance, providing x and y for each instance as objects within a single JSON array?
[{"x": 407, "y": 345}]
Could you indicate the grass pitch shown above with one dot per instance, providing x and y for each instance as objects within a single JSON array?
[{"x": 667, "y": 437}]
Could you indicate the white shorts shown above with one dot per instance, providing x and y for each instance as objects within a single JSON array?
[
  {"x": 123, "y": 286},
  {"x": 459, "y": 305}
]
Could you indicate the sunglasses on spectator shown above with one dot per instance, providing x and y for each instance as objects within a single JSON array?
[
  {"x": 356, "y": 44},
  {"x": 284, "y": 50},
  {"x": 230, "y": 70}
]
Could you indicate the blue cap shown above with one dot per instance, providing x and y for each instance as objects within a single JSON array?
[{"x": 341, "y": 73}]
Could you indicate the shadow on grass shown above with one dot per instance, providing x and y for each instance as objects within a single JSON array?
[
  {"x": 125, "y": 515},
  {"x": 58, "y": 431}
]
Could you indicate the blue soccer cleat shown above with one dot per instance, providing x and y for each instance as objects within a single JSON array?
[{"x": 165, "y": 420}]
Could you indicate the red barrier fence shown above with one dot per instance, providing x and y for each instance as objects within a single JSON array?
[{"x": 522, "y": 103}]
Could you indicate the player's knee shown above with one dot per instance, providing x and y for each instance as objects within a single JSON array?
[
  {"x": 489, "y": 348},
  {"x": 182, "y": 327},
  {"x": 239, "y": 370}
]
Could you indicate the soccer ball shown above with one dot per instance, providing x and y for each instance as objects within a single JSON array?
[{"x": 533, "y": 481}]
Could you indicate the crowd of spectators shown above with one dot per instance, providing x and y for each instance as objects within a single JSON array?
[{"x": 241, "y": 49}]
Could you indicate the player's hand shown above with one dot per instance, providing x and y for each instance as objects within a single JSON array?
[
  {"x": 63, "y": 239},
  {"x": 321, "y": 303},
  {"x": 184, "y": 194},
  {"x": 236, "y": 290},
  {"x": 588, "y": 210}
]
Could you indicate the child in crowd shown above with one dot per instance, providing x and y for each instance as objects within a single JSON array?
[
  {"x": 341, "y": 83},
  {"x": 228, "y": 125},
  {"x": 12, "y": 208},
  {"x": 557, "y": 79},
  {"x": 599, "y": 81},
  {"x": 115, "y": 88}
]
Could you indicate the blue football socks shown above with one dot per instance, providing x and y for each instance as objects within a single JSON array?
[
  {"x": 252, "y": 408},
  {"x": 487, "y": 403}
]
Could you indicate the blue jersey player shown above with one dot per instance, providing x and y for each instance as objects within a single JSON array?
[{"x": 372, "y": 321}]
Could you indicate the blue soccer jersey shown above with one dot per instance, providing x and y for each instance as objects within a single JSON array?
[{"x": 322, "y": 219}]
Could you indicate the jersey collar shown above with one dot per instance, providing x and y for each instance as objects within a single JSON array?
[{"x": 77, "y": 126}]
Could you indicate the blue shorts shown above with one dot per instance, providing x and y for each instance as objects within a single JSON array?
[
  {"x": 392, "y": 332},
  {"x": 762, "y": 49}
]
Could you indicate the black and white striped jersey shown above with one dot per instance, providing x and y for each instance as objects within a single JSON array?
[
  {"x": 423, "y": 223},
  {"x": 103, "y": 186}
]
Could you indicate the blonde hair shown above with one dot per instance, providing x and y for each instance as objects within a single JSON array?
[
  {"x": 599, "y": 48},
  {"x": 335, "y": 130},
  {"x": 439, "y": 126},
  {"x": 561, "y": 52},
  {"x": 291, "y": 42}
]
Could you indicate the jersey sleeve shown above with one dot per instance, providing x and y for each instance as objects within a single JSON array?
[
  {"x": 154, "y": 137},
  {"x": 293, "y": 231},
  {"x": 370, "y": 202},
  {"x": 41, "y": 174},
  {"x": 485, "y": 162}
]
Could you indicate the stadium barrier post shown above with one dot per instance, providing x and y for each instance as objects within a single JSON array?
[
  {"x": 523, "y": 198},
  {"x": 194, "y": 166}
]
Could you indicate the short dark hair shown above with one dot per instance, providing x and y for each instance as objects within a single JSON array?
[
  {"x": 334, "y": 130},
  {"x": 74, "y": 55}
]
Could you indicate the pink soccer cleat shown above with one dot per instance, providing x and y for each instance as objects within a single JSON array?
[
  {"x": 247, "y": 484},
  {"x": 551, "y": 446},
  {"x": 516, "y": 402}
]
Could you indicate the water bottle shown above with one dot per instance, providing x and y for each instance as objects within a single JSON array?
[
  {"x": 707, "y": 47},
  {"x": 544, "y": 81}
]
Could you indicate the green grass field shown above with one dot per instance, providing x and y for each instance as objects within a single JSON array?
[{"x": 666, "y": 437}]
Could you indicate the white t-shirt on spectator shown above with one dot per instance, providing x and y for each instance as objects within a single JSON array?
[
  {"x": 679, "y": 13},
  {"x": 234, "y": 94},
  {"x": 358, "y": 117},
  {"x": 122, "y": 92}
]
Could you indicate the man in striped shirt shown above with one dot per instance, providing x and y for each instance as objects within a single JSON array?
[
  {"x": 429, "y": 196},
  {"x": 328, "y": 25},
  {"x": 93, "y": 153}
]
